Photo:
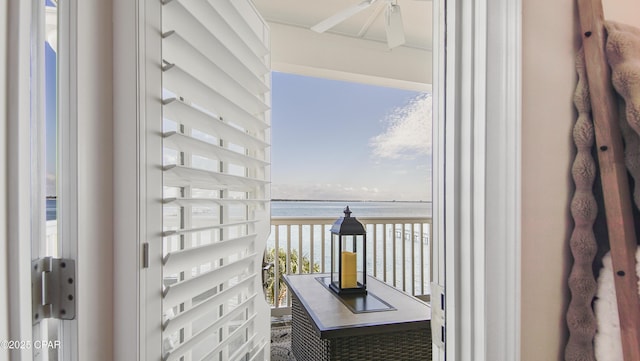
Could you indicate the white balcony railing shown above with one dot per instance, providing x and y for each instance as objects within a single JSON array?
[{"x": 398, "y": 253}]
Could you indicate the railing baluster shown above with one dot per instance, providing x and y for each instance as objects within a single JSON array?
[
  {"x": 322, "y": 250},
  {"x": 276, "y": 268},
  {"x": 300, "y": 263},
  {"x": 311, "y": 247},
  {"x": 375, "y": 251},
  {"x": 413, "y": 260},
  {"x": 288, "y": 261},
  {"x": 404, "y": 257},
  {"x": 384, "y": 254},
  {"x": 422, "y": 258},
  {"x": 430, "y": 224},
  {"x": 395, "y": 266}
]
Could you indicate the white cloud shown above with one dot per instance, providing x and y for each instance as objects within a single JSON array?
[{"x": 408, "y": 132}]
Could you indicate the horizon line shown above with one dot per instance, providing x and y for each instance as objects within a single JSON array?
[{"x": 345, "y": 200}]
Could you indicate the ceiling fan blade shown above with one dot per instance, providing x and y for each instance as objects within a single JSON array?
[
  {"x": 394, "y": 26},
  {"x": 336, "y": 19}
]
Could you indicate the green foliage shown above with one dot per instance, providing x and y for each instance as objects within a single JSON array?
[{"x": 294, "y": 264}]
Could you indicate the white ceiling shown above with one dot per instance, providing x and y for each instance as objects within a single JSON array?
[
  {"x": 354, "y": 50},
  {"x": 368, "y": 24}
]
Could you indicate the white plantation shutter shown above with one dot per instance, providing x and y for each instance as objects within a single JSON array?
[{"x": 216, "y": 100}]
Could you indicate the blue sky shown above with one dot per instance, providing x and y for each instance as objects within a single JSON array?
[
  {"x": 50, "y": 114},
  {"x": 340, "y": 140}
]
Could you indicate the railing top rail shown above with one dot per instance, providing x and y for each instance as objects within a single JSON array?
[{"x": 284, "y": 220}]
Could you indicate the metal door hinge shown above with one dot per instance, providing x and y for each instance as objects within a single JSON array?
[
  {"x": 438, "y": 331},
  {"x": 53, "y": 285}
]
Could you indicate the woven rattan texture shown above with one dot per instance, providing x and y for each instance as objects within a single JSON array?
[
  {"x": 305, "y": 343},
  {"x": 398, "y": 346}
]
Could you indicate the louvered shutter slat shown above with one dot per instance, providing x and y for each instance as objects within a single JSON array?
[
  {"x": 177, "y": 51},
  {"x": 216, "y": 110},
  {"x": 180, "y": 176},
  {"x": 192, "y": 88},
  {"x": 241, "y": 329},
  {"x": 177, "y": 18},
  {"x": 230, "y": 11},
  {"x": 211, "y": 330},
  {"x": 206, "y": 13},
  {"x": 181, "y": 260},
  {"x": 210, "y": 305},
  {"x": 195, "y": 118},
  {"x": 174, "y": 232},
  {"x": 241, "y": 352},
  {"x": 185, "y": 143},
  {"x": 192, "y": 287},
  {"x": 211, "y": 201}
]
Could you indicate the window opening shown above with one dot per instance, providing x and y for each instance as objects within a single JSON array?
[
  {"x": 337, "y": 143},
  {"x": 51, "y": 124}
]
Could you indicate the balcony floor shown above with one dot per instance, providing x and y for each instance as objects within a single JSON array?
[{"x": 281, "y": 339}]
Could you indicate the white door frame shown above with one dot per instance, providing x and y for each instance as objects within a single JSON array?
[
  {"x": 477, "y": 194},
  {"x": 90, "y": 117},
  {"x": 87, "y": 234},
  {"x": 137, "y": 179},
  {"x": 479, "y": 153},
  {"x": 17, "y": 199},
  {"x": 4, "y": 281},
  {"x": 67, "y": 172}
]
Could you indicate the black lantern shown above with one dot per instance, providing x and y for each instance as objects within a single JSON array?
[{"x": 348, "y": 256}]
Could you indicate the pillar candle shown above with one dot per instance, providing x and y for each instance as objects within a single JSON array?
[{"x": 348, "y": 276}]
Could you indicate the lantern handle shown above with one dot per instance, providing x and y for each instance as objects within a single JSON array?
[{"x": 347, "y": 212}]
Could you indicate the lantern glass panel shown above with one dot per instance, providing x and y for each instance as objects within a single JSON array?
[
  {"x": 335, "y": 259},
  {"x": 354, "y": 244},
  {"x": 348, "y": 268}
]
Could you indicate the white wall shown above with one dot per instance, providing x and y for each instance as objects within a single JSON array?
[
  {"x": 625, "y": 11},
  {"x": 550, "y": 42},
  {"x": 549, "y": 47}
]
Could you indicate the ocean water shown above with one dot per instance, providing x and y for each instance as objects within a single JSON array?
[
  {"x": 51, "y": 209},
  {"x": 358, "y": 209}
]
